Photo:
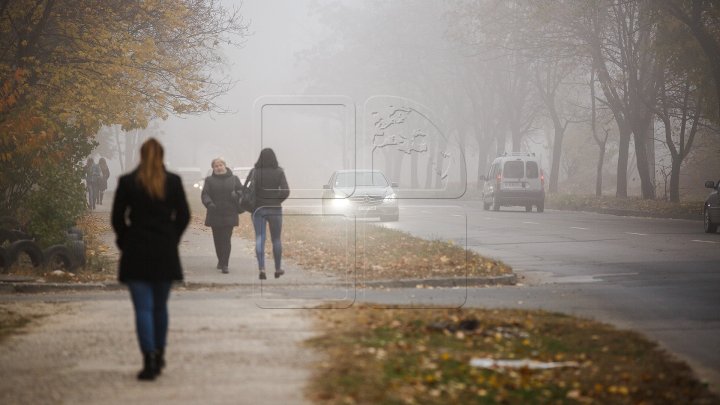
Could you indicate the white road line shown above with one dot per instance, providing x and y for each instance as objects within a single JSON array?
[
  {"x": 635, "y": 233},
  {"x": 704, "y": 241},
  {"x": 531, "y": 223},
  {"x": 577, "y": 227},
  {"x": 458, "y": 215}
]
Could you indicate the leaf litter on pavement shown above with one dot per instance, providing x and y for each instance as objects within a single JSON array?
[{"x": 340, "y": 246}]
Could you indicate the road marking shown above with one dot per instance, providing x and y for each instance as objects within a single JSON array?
[
  {"x": 531, "y": 223},
  {"x": 704, "y": 241},
  {"x": 577, "y": 227},
  {"x": 635, "y": 233},
  {"x": 457, "y": 215}
]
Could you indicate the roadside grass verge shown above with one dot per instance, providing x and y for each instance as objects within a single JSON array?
[
  {"x": 410, "y": 356},
  {"x": 631, "y": 205},
  {"x": 337, "y": 246}
]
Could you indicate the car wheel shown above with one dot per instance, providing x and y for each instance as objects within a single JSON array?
[
  {"x": 495, "y": 204},
  {"x": 710, "y": 227},
  {"x": 541, "y": 206},
  {"x": 528, "y": 208}
]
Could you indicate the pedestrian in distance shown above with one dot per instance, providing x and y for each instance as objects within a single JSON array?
[
  {"x": 271, "y": 189},
  {"x": 149, "y": 215},
  {"x": 102, "y": 184},
  {"x": 219, "y": 196},
  {"x": 93, "y": 175}
]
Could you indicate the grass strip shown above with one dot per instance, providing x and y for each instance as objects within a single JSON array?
[
  {"x": 410, "y": 356},
  {"x": 634, "y": 205}
]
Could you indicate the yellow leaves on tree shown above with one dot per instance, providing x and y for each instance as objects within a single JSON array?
[{"x": 88, "y": 63}]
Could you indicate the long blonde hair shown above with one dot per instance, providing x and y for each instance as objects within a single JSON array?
[{"x": 151, "y": 172}]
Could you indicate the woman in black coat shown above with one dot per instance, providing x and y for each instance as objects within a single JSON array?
[
  {"x": 271, "y": 189},
  {"x": 220, "y": 198},
  {"x": 149, "y": 214}
]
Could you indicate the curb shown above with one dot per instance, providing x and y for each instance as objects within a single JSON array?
[
  {"x": 35, "y": 288},
  {"x": 509, "y": 279}
]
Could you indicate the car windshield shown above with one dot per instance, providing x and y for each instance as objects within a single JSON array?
[
  {"x": 364, "y": 179},
  {"x": 514, "y": 169}
]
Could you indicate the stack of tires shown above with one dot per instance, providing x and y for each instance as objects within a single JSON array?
[{"x": 67, "y": 257}]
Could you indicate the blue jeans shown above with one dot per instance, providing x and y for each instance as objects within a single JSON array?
[
  {"x": 273, "y": 216},
  {"x": 151, "y": 313}
]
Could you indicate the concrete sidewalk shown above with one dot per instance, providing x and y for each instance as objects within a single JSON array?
[{"x": 231, "y": 345}]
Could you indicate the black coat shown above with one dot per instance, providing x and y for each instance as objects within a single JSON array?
[
  {"x": 271, "y": 187},
  {"x": 149, "y": 238},
  {"x": 216, "y": 197}
]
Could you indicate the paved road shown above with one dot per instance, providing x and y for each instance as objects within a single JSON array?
[{"x": 657, "y": 276}]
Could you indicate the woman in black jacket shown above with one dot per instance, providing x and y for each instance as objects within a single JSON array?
[
  {"x": 149, "y": 214},
  {"x": 218, "y": 196},
  {"x": 271, "y": 189}
]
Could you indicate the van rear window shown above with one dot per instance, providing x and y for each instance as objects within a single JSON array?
[
  {"x": 514, "y": 169},
  {"x": 531, "y": 169}
]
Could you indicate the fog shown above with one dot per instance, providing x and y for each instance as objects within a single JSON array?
[{"x": 419, "y": 90}]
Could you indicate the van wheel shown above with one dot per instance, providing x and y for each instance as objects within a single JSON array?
[
  {"x": 495, "y": 205},
  {"x": 541, "y": 206},
  {"x": 528, "y": 208},
  {"x": 486, "y": 206},
  {"x": 708, "y": 224}
]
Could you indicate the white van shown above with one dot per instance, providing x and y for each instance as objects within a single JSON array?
[{"x": 515, "y": 179}]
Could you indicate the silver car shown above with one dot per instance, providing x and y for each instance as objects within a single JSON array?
[{"x": 361, "y": 193}]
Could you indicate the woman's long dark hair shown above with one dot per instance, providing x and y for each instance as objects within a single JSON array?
[
  {"x": 267, "y": 160},
  {"x": 151, "y": 172}
]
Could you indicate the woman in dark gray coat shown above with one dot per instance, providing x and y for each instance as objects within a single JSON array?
[
  {"x": 149, "y": 214},
  {"x": 271, "y": 190},
  {"x": 218, "y": 196}
]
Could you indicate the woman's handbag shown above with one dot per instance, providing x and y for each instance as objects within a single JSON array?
[{"x": 246, "y": 200}]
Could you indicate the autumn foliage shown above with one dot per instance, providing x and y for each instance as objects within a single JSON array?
[{"x": 68, "y": 67}]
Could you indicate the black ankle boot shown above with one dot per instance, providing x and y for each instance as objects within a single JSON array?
[
  {"x": 160, "y": 357},
  {"x": 150, "y": 367}
]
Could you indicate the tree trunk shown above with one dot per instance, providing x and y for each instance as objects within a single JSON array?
[
  {"x": 598, "y": 175},
  {"x": 675, "y": 180},
  {"x": 643, "y": 166},
  {"x": 556, "y": 155},
  {"x": 482, "y": 161},
  {"x": 622, "y": 166}
]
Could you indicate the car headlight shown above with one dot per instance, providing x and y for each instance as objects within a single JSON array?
[{"x": 340, "y": 201}]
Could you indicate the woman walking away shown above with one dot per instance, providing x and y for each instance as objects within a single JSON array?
[
  {"x": 271, "y": 189},
  {"x": 220, "y": 198},
  {"x": 93, "y": 174},
  {"x": 102, "y": 186},
  {"x": 149, "y": 214}
]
